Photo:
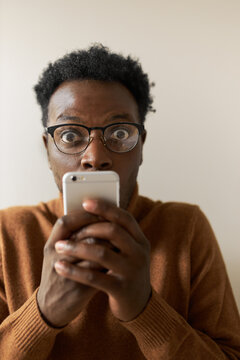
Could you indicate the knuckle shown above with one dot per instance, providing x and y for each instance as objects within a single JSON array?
[
  {"x": 71, "y": 270},
  {"x": 113, "y": 228},
  {"x": 70, "y": 245},
  {"x": 90, "y": 276},
  {"x": 89, "y": 240},
  {"x": 62, "y": 221},
  {"x": 116, "y": 216},
  {"x": 47, "y": 249},
  {"x": 101, "y": 253},
  {"x": 128, "y": 216},
  {"x": 125, "y": 217}
]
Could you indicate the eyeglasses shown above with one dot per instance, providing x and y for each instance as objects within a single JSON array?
[{"x": 74, "y": 138}]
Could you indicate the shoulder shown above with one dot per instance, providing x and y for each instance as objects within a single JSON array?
[
  {"x": 169, "y": 212},
  {"x": 179, "y": 227},
  {"x": 181, "y": 222},
  {"x": 28, "y": 216}
]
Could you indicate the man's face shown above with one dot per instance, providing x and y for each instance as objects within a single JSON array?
[{"x": 94, "y": 103}]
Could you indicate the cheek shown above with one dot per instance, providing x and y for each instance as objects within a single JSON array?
[
  {"x": 60, "y": 164},
  {"x": 127, "y": 186},
  {"x": 128, "y": 171},
  {"x": 130, "y": 164}
]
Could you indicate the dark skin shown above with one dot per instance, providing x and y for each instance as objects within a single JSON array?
[{"x": 70, "y": 277}]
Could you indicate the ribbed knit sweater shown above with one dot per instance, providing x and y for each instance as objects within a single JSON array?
[{"x": 190, "y": 315}]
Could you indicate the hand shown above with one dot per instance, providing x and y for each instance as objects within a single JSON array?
[
  {"x": 60, "y": 300},
  {"x": 127, "y": 281}
]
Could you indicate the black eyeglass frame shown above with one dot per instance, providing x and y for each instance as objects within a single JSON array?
[{"x": 50, "y": 130}]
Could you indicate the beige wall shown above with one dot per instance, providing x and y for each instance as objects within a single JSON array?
[{"x": 191, "y": 49}]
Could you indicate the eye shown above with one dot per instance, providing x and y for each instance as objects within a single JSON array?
[
  {"x": 120, "y": 134},
  {"x": 70, "y": 136}
]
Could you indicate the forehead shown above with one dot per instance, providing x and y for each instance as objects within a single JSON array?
[{"x": 89, "y": 99}]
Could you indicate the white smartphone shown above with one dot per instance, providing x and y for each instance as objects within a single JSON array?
[{"x": 78, "y": 186}]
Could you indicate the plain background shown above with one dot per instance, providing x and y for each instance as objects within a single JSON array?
[{"x": 189, "y": 48}]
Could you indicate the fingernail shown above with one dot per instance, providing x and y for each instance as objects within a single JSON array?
[
  {"x": 60, "y": 246},
  {"x": 59, "y": 266},
  {"x": 89, "y": 205}
]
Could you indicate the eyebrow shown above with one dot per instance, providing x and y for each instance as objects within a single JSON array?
[
  {"x": 123, "y": 116},
  {"x": 67, "y": 117}
]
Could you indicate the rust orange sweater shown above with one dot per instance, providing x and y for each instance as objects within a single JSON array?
[{"x": 191, "y": 314}]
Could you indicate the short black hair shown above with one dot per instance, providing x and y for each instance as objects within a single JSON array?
[{"x": 95, "y": 63}]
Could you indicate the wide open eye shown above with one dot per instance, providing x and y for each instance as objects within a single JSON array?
[
  {"x": 71, "y": 139},
  {"x": 70, "y": 136},
  {"x": 121, "y": 137},
  {"x": 120, "y": 134}
]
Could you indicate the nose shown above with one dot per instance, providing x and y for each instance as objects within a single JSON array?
[{"x": 96, "y": 156}]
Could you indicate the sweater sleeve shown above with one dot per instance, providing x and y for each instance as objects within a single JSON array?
[
  {"x": 212, "y": 328},
  {"x": 23, "y": 334}
]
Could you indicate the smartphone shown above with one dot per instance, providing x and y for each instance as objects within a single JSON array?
[{"x": 77, "y": 186}]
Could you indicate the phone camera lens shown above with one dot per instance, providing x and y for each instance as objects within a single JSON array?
[{"x": 73, "y": 178}]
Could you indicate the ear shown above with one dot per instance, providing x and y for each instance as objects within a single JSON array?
[
  {"x": 45, "y": 142},
  {"x": 143, "y": 138},
  {"x": 44, "y": 137}
]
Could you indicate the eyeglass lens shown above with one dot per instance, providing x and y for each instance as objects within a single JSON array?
[{"x": 72, "y": 139}]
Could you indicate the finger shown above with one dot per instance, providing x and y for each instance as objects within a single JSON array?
[
  {"x": 116, "y": 215},
  {"x": 102, "y": 255},
  {"x": 75, "y": 260},
  {"x": 105, "y": 282},
  {"x": 109, "y": 233},
  {"x": 66, "y": 225}
]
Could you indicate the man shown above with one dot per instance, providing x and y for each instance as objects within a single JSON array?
[{"x": 164, "y": 293}]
